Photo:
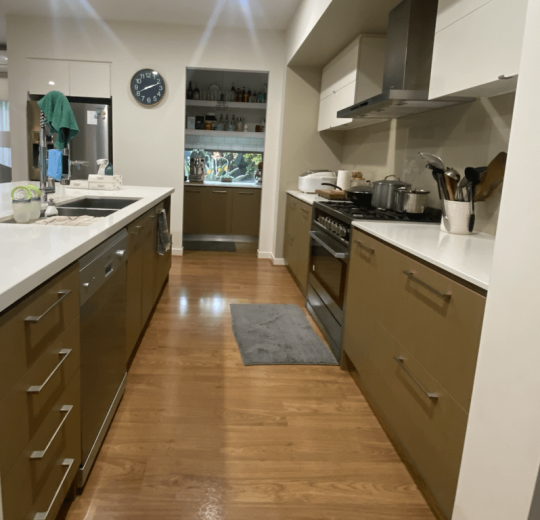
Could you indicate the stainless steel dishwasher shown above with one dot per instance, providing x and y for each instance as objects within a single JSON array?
[{"x": 102, "y": 274}]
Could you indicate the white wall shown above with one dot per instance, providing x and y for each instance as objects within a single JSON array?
[
  {"x": 149, "y": 143},
  {"x": 502, "y": 446},
  {"x": 307, "y": 15}
]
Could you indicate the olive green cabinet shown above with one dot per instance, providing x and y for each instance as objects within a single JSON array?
[
  {"x": 222, "y": 210},
  {"x": 412, "y": 334},
  {"x": 296, "y": 246}
]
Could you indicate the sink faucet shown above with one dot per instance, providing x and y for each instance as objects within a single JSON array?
[{"x": 45, "y": 185}]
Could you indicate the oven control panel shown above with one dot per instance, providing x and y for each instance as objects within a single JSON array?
[{"x": 334, "y": 226}]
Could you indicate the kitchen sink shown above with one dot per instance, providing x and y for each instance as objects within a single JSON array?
[
  {"x": 78, "y": 212},
  {"x": 101, "y": 203}
]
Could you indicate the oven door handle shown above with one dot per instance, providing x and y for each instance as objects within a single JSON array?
[{"x": 335, "y": 254}]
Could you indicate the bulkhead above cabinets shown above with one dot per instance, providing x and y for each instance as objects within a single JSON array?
[{"x": 355, "y": 73}]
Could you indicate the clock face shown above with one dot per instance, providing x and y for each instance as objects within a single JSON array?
[{"x": 148, "y": 87}]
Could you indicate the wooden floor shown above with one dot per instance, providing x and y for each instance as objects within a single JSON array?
[{"x": 198, "y": 436}]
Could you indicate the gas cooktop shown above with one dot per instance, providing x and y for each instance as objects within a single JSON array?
[{"x": 347, "y": 212}]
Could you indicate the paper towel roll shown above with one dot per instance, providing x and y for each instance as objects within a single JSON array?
[{"x": 344, "y": 178}]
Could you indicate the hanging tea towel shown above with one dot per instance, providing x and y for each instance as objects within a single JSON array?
[
  {"x": 60, "y": 117},
  {"x": 164, "y": 239}
]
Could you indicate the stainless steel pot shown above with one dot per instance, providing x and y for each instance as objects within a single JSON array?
[
  {"x": 411, "y": 201},
  {"x": 384, "y": 192}
]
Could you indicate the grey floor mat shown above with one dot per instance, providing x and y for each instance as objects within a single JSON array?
[{"x": 272, "y": 334}]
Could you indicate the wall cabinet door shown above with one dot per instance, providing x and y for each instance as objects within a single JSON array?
[
  {"x": 471, "y": 54},
  {"x": 341, "y": 70},
  {"x": 43, "y": 76},
  {"x": 89, "y": 79},
  {"x": 217, "y": 215},
  {"x": 246, "y": 212},
  {"x": 134, "y": 321}
]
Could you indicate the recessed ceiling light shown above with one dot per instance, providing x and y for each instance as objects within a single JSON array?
[{"x": 51, "y": 83}]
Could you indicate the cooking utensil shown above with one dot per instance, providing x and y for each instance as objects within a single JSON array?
[
  {"x": 360, "y": 196},
  {"x": 474, "y": 178},
  {"x": 433, "y": 160},
  {"x": 411, "y": 201},
  {"x": 436, "y": 165},
  {"x": 493, "y": 179},
  {"x": 438, "y": 179},
  {"x": 384, "y": 192},
  {"x": 452, "y": 178}
]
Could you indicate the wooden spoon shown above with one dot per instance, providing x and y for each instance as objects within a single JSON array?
[{"x": 493, "y": 178}]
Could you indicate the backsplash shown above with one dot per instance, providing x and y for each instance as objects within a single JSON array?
[
  {"x": 466, "y": 135},
  {"x": 235, "y": 143}
]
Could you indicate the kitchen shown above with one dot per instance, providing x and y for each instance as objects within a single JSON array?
[{"x": 494, "y": 482}]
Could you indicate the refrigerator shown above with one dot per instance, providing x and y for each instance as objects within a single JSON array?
[{"x": 93, "y": 142}]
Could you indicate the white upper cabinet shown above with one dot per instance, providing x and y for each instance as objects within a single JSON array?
[
  {"x": 89, "y": 79},
  {"x": 355, "y": 73},
  {"x": 72, "y": 78},
  {"x": 450, "y": 11},
  {"x": 478, "y": 54},
  {"x": 46, "y": 75}
]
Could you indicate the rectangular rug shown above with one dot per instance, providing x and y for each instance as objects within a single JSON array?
[
  {"x": 203, "y": 245},
  {"x": 272, "y": 334}
]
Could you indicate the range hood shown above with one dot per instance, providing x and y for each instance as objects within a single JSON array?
[{"x": 407, "y": 69}]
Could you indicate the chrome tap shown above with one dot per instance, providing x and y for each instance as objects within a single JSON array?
[{"x": 45, "y": 185}]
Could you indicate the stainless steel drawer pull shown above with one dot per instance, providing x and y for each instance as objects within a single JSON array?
[
  {"x": 137, "y": 228},
  {"x": 63, "y": 294},
  {"x": 66, "y": 409},
  {"x": 67, "y": 463},
  {"x": 305, "y": 210},
  {"x": 401, "y": 362},
  {"x": 65, "y": 352},
  {"x": 219, "y": 191},
  {"x": 364, "y": 247},
  {"x": 412, "y": 276},
  {"x": 245, "y": 193}
]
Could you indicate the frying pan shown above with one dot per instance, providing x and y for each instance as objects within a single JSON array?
[{"x": 360, "y": 196}]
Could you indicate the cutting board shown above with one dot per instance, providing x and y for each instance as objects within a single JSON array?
[
  {"x": 332, "y": 194},
  {"x": 493, "y": 179}
]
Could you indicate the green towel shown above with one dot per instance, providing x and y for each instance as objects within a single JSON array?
[{"x": 60, "y": 118}]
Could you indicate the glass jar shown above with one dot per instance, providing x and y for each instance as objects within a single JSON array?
[{"x": 210, "y": 121}]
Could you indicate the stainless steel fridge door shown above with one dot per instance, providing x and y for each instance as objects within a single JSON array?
[{"x": 92, "y": 141}]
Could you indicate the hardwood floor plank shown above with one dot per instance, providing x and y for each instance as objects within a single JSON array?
[{"x": 199, "y": 436}]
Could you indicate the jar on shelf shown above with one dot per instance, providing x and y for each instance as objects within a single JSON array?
[{"x": 210, "y": 121}]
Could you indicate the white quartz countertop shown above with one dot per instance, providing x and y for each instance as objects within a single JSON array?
[
  {"x": 31, "y": 254},
  {"x": 466, "y": 256},
  {"x": 224, "y": 184},
  {"x": 310, "y": 198}
]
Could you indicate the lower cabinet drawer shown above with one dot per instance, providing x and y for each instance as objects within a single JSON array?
[
  {"x": 40, "y": 478},
  {"x": 432, "y": 430},
  {"x": 27, "y": 406}
]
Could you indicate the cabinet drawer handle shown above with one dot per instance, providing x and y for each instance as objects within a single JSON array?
[
  {"x": 412, "y": 276},
  {"x": 66, "y": 409},
  {"x": 364, "y": 247},
  {"x": 65, "y": 352},
  {"x": 138, "y": 228},
  {"x": 502, "y": 76},
  {"x": 218, "y": 191},
  {"x": 401, "y": 362},
  {"x": 63, "y": 294},
  {"x": 68, "y": 463},
  {"x": 305, "y": 210},
  {"x": 245, "y": 193}
]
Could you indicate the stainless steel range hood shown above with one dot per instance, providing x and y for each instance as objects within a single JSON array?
[{"x": 407, "y": 70}]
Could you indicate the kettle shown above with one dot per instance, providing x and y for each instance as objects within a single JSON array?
[{"x": 102, "y": 163}]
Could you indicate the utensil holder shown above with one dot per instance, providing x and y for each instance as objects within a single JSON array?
[{"x": 458, "y": 214}]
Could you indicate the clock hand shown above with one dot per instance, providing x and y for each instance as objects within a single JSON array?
[{"x": 149, "y": 86}]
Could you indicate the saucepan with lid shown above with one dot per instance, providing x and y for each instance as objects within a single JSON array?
[{"x": 384, "y": 192}]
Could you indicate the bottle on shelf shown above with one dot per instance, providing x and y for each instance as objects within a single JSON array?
[
  {"x": 263, "y": 124},
  {"x": 196, "y": 92},
  {"x": 226, "y": 126},
  {"x": 265, "y": 93},
  {"x": 238, "y": 97},
  {"x": 189, "y": 94},
  {"x": 232, "y": 126},
  {"x": 248, "y": 96},
  {"x": 240, "y": 125},
  {"x": 244, "y": 100},
  {"x": 221, "y": 124},
  {"x": 232, "y": 94}
]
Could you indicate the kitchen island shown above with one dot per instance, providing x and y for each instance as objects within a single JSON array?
[{"x": 32, "y": 254}]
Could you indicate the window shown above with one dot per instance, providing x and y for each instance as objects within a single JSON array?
[
  {"x": 5, "y": 153},
  {"x": 241, "y": 166}
]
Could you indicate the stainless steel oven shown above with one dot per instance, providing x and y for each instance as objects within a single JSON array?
[{"x": 329, "y": 262}]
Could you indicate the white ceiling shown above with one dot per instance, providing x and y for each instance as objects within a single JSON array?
[{"x": 259, "y": 14}]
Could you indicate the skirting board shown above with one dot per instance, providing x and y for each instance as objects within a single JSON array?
[
  {"x": 270, "y": 256},
  {"x": 178, "y": 251}
]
